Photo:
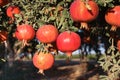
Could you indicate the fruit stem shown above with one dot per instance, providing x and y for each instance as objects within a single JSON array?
[
  {"x": 69, "y": 54},
  {"x": 69, "y": 31},
  {"x": 24, "y": 43},
  {"x": 41, "y": 72},
  {"x": 113, "y": 28},
  {"x": 84, "y": 25}
]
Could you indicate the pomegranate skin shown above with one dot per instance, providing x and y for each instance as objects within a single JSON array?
[
  {"x": 25, "y": 32},
  {"x": 4, "y": 2},
  {"x": 47, "y": 34},
  {"x": 3, "y": 36},
  {"x": 11, "y": 10},
  {"x": 68, "y": 41},
  {"x": 43, "y": 61},
  {"x": 80, "y": 13},
  {"x": 112, "y": 16}
]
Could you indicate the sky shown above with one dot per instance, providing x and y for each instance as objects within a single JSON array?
[{"x": 101, "y": 48}]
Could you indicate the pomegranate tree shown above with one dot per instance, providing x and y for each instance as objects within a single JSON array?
[
  {"x": 43, "y": 61},
  {"x": 84, "y": 11},
  {"x": 47, "y": 33},
  {"x": 25, "y": 33},
  {"x": 112, "y": 18},
  {"x": 68, "y": 42}
]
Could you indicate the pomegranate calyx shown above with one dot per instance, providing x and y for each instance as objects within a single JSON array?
[
  {"x": 41, "y": 71},
  {"x": 113, "y": 28},
  {"x": 88, "y": 6},
  {"x": 69, "y": 55},
  {"x": 25, "y": 43},
  {"x": 84, "y": 25}
]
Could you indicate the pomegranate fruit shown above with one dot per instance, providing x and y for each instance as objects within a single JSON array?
[
  {"x": 111, "y": 17},
  {"x": 68, "y": 42},
  {"x": 25, "y": 32},
  {"x": 118, "y": 45},
  {"x": 3, "y": 2},
  {"x": 84, "y": 11},
  {"x": 3, "y": 36},
  {"x": 47, "y": 33},
  {"x": 43, "y": 61},
  {"x": 12, "y": 10}
]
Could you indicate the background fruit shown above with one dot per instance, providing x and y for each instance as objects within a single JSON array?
[
  {"x": 112, "y": 18},
  {"x": 3, "y": 2},
  {"x": 3, "y": 36},
  {"x": 12, "y": 10}
]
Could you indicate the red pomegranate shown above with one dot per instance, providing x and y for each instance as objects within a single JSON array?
[
  {"x": 118, "y": 45},
  {"x": 84, "y": 11},
  {"x": 68, "y": 42},
  {"x": 25, "y": 32},
  {"x": 47, "y": 33},
  {"x": 43, "y": 61},
  {"x": 112, "y": 18},
  {"x": 3, "y": 36},
  {"x": 3, "y": 2},
  {"x": 12, "y": 10}
]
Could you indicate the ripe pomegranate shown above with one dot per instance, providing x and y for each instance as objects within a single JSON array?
[
  {"x": 68, "y": 42},
  {"x": 12, "y": 10},
  {"x": 84, "y": 11},
  {"x": 25, "y": 32},
  {"x": 43, "y": 61},
  {"x": 112, "y": 18},
  {"x": 3, "y": 36},
  {"x": 3, "y": 2},
  {"x": 47, "y": 33},
  {"x": 118, "y": 45}
]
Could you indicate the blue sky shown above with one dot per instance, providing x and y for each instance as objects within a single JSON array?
[
  {"x": 102, "y": 49},
  {"x": 92, "y": 51}
]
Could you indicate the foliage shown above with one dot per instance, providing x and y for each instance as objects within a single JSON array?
[
  {"x": 110, "y": 62},
  {"x": 55, "y": 12},
  {"x": 105, "y": 3}
]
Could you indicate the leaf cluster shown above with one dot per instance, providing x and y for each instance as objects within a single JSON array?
[{"x": 110, "y": 62}]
